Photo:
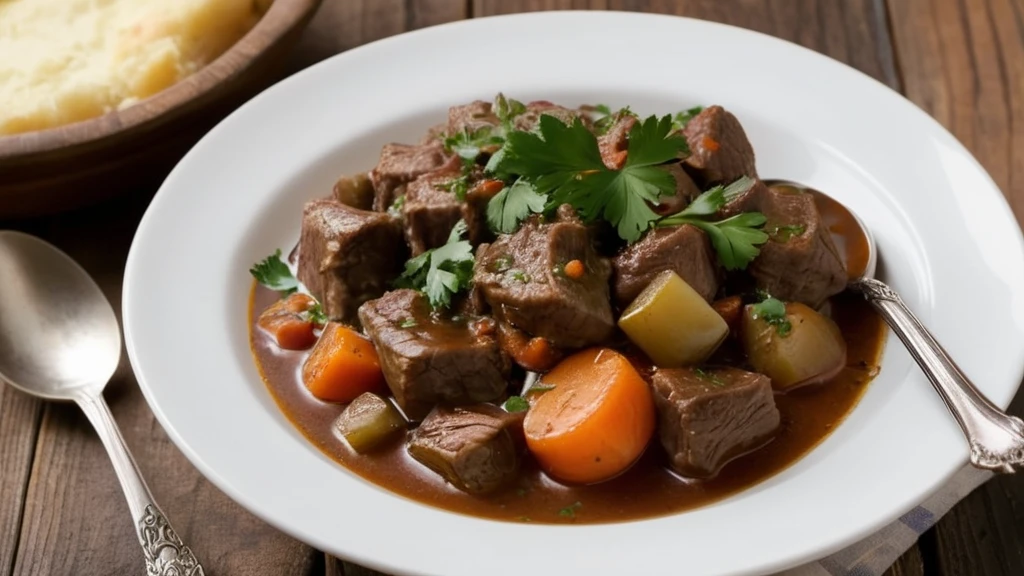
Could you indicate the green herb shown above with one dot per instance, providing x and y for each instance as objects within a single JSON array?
[
  {"x": 273, "y": 273},
  {"x": 516, "y": 404},
  {"x": 441, "y": 272},
  {"x": 519, "y": 275},
  {"x": 503, "y": 263},
  {"x": 773, "y": 311},
  {"x": 468, "y": 145},
  {"x": 457, "y": 186},
  {"x": 508, "y": 208},
  {"x": 602, "y": 118},
  {"x": 570, "y": 510},
  {"x": 407, "y": 323},
  {"x": 709, "y": 377},
  {"x": 395, "y": 210},
  {"x": 507, "y": 109},
  {"x": 563, "y": 162},
  {"x": 786, "y": 233},
  {"x": 681, "y": 119},
  {"x": 316, "y": 314},
  {"x": 735, "y": 239},
  {"x": 538, "y": 387}
]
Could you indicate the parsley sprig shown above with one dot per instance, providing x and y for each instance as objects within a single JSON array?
[
  {"x": 441, "y": 272},
  {"x": 562, "y": 163},
  {"x": 682, "y": 118},
  {"x": 273, "y": 273},
  {"x": 773, "y": 311},
  {"x": 514, "y": 203},
  {"x": 735, "y": 239}
]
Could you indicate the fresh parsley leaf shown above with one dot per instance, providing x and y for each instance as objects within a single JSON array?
[
  {"x": 715, "y": 198},
  {"x": 507, "y": 109},
  {"x": 602, "y": 118},
  {"x": 652, "y": 142},
  {"x": 681, "y": 119},
  {"x": 468, "y": 145},
  {"x": 773, "y": 311},
  {"x": 273, "y": 273},
  {"x": 570, "y": 510},
  {"x": 516, "y": 404},
  {"x": 560, "y": 150},
  {"x": 508, "y": 208},
  {"x": 441, "y": 272},
  {"x": 316, "y": 314}
]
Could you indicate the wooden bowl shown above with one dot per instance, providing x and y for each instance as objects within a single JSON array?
[{"x": 70, "y": 166}]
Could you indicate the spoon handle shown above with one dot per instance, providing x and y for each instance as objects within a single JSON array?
[
  {"x": 164, "y": 551},
  {"x": 996, "y": 439}
]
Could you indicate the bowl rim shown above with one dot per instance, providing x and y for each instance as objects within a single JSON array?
[{"x": 278, "y": 20}]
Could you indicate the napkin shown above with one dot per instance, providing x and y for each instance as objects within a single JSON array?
[{"x": 874, "y": 555}]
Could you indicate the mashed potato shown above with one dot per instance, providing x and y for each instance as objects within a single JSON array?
[{"x": 62, "y": 61}]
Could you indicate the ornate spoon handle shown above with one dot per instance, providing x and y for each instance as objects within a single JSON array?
[
  {"x": 165, "y": 553},
  {"x": 996, "y": 439}
]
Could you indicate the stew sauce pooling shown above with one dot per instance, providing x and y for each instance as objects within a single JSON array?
[{"x": 545, "y": 291}]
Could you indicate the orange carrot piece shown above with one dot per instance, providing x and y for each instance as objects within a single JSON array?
[
  {"x": 574, "y": 269},
  {"x": 342, "y": 366},
  {"x": 710, "y": 143},
  {"x": 538, "y": 355},
  {"x": 490, "y": 187},
  {"x": 595, "y": 422},
  {"x": 285, "y": 321}
]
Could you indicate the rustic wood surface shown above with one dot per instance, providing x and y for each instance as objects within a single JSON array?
[{"x": 61, "y": 511}]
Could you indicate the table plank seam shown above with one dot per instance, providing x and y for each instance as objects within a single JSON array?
[{"x": 25, "y": 481}]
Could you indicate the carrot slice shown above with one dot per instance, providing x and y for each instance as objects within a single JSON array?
[
  {"x": 285, "y": 321},
  {"x": 342, "y": 366},
  {"x": 595, "y": 422}
]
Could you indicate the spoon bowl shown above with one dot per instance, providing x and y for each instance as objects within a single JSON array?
[
  {"x": 59, "y": 340},
  {"x": 59, "y": 333}
]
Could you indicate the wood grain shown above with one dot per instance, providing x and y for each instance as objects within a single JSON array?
[
  {"x": 963, "y": 62},
  {"x": 19, "y": 423},
  {"x": 851, "y": 31},
  {"x": 76, "y": 521}
]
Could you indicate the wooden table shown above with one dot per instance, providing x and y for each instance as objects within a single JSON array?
[{"x": 61, "y": 511}]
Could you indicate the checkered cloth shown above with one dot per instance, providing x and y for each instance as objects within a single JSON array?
[{"x": 874, "y": 555}]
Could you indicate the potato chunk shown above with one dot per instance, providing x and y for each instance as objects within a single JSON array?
[
  {"x": 803, "y": 348},
  {"x": 672, "y": 323},
  {"x": 368, "y": 422}
]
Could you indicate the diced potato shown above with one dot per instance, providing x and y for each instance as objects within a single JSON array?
[
  {"x": 672, "y": 323},
  {"x": 355, "y": 191},
  {"x": 807, "y": 351},
  {"x": 368, "y": 422}
]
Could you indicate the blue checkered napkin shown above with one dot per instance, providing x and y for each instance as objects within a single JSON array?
[{"x": 874, "y": 555}]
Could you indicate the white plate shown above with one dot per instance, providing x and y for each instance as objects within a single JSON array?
[{"x": 948, "y": 242}]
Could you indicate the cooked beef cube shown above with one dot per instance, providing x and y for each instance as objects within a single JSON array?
[
  {"x": 684, "y": 249},
  {"x": 520, "y": 278},
  {"x": 475, "y": 448},
  {"x": 428, "y": 359},
  {"x": 750, "y": 201},
  {"x": 474, "y": 211},
  {"x": 799, "y": 263},
  {"x": 400, "y": 164},
  {"x": 615, "y": 141},
  {"x": 529, "y": 119},
  {"x": 430, "y": 211},
  {"x": 434, "y": 134},
  {"x": 686, "y": 191},
  {"x": 708, "y": 417},
  {"x": 348, "y": 256},
  {"x": 471, "y": 117},
  {"x": 719, "y": 149}
]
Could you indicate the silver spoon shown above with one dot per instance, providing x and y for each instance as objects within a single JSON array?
[
  {"x": 59, "y": 340},
  {"x": 996, "y": 439}
]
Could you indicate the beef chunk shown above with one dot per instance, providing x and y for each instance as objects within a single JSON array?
[
  {"x": 347, "y": 256},
  {"x": 720, "y": 151},
  {"x": 474, "y": 211},
  {"x": 430, "y": 211},
  {"x": 429, "y": 360},
  {"x": 799, "y": 263},
  {"x": 529, "y": 119},
  {"x": 471, "y": 117},
  {"x": 476, "y": 448},
  {"x": 708, "y": 417},
  {"x": 615, "y": 141},
  {"x": 752, "y": 200},
  {"x": 684, "y": 249},
  {"x": 686, "y": 191},
  {"x": 520, "y": 278},
  {"x": 400, "y": 164}
]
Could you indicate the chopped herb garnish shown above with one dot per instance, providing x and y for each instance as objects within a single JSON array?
[
  {"x": 681, "y": 119},
  {"x": 708, "y": 377},
  {"x": 570, "y": 510},
  {"x": 468, "y": 145},
  {"x": 539, "y": 387},
  {"x": 273, "y": 273},
  {"x": 519, "y": 275},
  {"x": 316, "y": 314},
  {"x": 563, "y": 163},
  {"x": 407, "y": 323},
  {"x": 516, "y": 404},
  {"x": 602, "y": 118},
  {"x": 785, "y": 233},
  {"x": 457, "y": 186},
  {"x": 502, "y": 263},
  {"x": 508, "y": 208},
  {"x": 506, "y": 110},
  {"x": 441, "y": 272},
  {"x": 773, "y": 311},
  {"x": 735, "y": 239},
  {"x": 395, "y": 210}
]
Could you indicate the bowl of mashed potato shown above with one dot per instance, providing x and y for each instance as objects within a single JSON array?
[{"x": 100, "y": 96}]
